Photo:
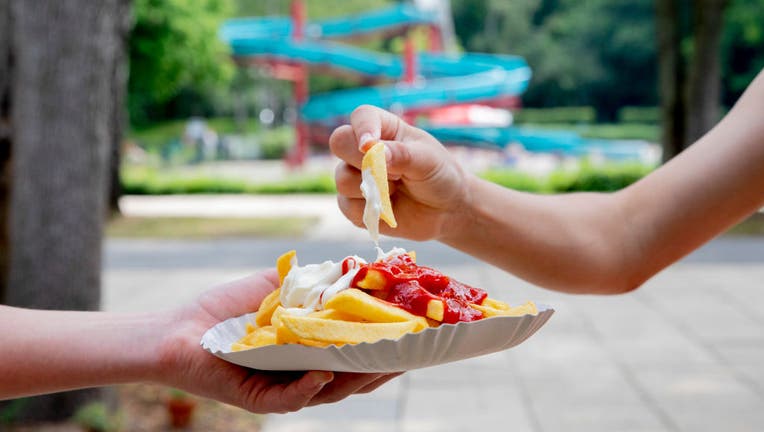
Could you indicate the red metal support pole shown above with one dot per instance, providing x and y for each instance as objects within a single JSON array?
[
  {"x": 410, "y": 70},
  {"x": 434, "y": 39},
  {"x": 409, "y": 61},
  {"x": 300, "y": 151}
]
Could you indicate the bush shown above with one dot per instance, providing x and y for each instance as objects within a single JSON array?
[
  {"x": 606, "y": 178},
  {"x": 588, "y": 178},
  {"x": 517, "y": 180},
  {"x": 583, "y": 114},
  {"x": 95, "y": 416},
  {"x": 274, "y": 143},
  {"x": 636, "y": 114},
  {"x": 147, "y": 181}
]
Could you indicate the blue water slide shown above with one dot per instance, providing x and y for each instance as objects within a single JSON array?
[
  {"x": 381, "y": 21},
  {"x": 448, "y": 79}
]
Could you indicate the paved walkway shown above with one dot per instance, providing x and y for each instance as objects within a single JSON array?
[
  {"x": 332, "y": 225},
  {"x": 683, "y": 353}
]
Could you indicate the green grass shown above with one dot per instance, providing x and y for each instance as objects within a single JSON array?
[
  {"x": 149, "y": 181},
  {"x": 619, "y": 131},
  {"x": 206, "y": 228},
  {"x": 601, "y": 178},
  {"x": 751, "y": 226},
  {"x": 588, "y": 178}
]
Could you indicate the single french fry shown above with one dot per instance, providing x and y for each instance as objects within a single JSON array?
[
  {"x": 373, "y": 280},
  {"x": 375, "y": 160},
  {"x": 259, "y": 337},
  {"x": 528, "y": 308},
  {"x": 267, "y": 306},
  {"x": 249, "y": 328},
  {"x": 412, "y": 254},
  {"x": 335, "y": 315},
  {"x": 315, "y": 343},
  {"x": 238, "y": 346},
  {"x": 435, "y": 310},
  {"x": 357, "y": 303},
  {"x": 496, "y": 304},
  {"x": 283, "y": 334},
  {"x": 333, "y": 331},
  {"x": 284, "y": 264}
]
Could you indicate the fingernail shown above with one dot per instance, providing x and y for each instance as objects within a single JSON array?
[{"x": 365, "y": 139}]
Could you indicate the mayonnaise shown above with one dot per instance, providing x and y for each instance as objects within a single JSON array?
[
  {"x": 307, "y": 289},
  {"x": 395, "y": 251},
  {"x": 373, "y": 207}
]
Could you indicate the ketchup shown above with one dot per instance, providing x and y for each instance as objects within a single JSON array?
[{"x": 412, "y": 287}]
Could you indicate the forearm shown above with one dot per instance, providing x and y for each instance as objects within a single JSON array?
[
  {"x": 612, "y": 243},
  {"x": 50, "y": 351},
  {"x": 703, "y": 191},
  {"x": 563, "y": 242}
]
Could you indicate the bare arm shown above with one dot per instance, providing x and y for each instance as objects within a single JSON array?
[
  {"x": 584, "y": 242},
  {"x": 49, "y": 351}
]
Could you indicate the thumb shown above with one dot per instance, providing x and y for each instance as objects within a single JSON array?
[{"x": 415, "y": 160}]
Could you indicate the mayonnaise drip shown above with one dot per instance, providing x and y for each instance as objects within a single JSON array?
[{"x": 373, "y": 207}]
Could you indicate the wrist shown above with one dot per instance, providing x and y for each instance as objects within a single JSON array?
[{"x": 461, "y": 218}]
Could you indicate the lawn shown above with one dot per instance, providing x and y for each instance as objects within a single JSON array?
[{"x": 208, "y": 228}]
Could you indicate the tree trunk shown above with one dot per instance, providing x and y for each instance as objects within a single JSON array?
[
  {"x": 5, "y": 141},
  {"x": 119, "y": 75},
  {"x": 63, "y": 53},
  {"x": 670, "y": 76},
  {"x": 704, "y": 80}
]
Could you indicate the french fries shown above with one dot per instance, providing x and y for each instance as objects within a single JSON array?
[
  {"x": 375, "y": 161},
  {"x": 353, "y": 315}
]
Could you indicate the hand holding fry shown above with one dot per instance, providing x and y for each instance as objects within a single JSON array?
[{"x": 427, "y": 186}]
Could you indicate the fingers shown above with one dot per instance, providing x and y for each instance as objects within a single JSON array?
[
  {"x": 378, "y": 383},
  {"x": 352, "y": 208},
  {"x": 344, "y": 385},
  {"x": 348, "y": 180},
  {"x": 240, "y": 296},
  {"x": 344, "y": 145},
  {"x": 290, "y": 396},
  {"x": 370, "y": 123}
]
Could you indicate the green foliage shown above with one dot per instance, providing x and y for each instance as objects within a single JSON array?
[
  {"x": 599, "y": 52},
  {"x": 640, "y": 114},
  {"x": 95, "y": 416},
  {"x": 616, "y": 131},
  {"x": 275, "y": 143},
  {"x": 587, "y": 178},
  {"x": 10, "y": 412},
  {"x": 584, "y": 114},
  {"x": 175, "y": 53},
  {"x": 605, "y": 178},
  {"x": 149, "y": 181},
  {"x": 742, "y": 46}
]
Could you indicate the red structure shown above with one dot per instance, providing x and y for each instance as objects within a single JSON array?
[{"x": 300, "y": 78}]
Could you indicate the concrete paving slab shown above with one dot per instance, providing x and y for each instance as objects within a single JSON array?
[{"x": 683, "y": 353}]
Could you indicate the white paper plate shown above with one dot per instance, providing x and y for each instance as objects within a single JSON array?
[{"x": 433, "y": 346}]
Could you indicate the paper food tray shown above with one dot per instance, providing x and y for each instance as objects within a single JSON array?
[{"x": 430, "y": 347}]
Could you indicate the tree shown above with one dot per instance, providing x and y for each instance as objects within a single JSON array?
[
  {"x": 595, "y": 53},
  {"x": 119, "y": 120},
  {"x": 175, "y": 52},
  {"x": 57, "y": 100},
  {"x": 689, "y": 84},
  {"x": 742, "y": 47}
]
